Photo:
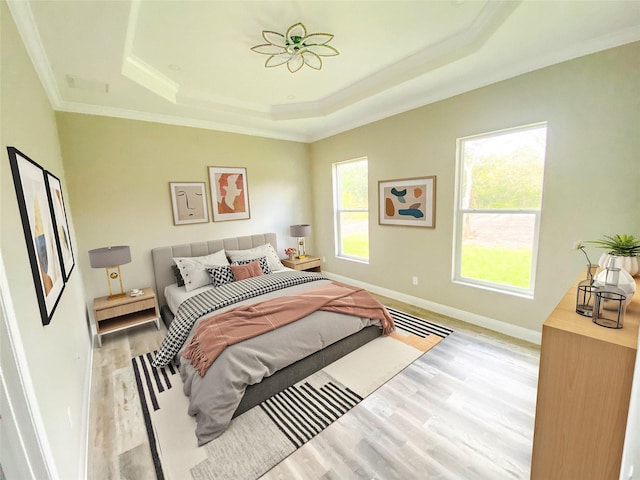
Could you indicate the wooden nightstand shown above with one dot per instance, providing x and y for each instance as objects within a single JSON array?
[
  {"x": 125, "y": 312},
  {"x": 310, "y": 263}
]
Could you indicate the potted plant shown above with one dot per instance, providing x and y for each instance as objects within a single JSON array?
[{"x": 626, "y": 249}]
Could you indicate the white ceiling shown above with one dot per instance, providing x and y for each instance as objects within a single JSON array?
[{"x": 189, "y": 62}]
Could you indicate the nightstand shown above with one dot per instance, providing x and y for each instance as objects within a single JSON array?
[
  {"x": 310, "y": 263},
  {"x": 125, "y": 312}
]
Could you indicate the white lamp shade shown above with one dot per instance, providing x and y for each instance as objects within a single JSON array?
[
  {"x": 109, "y": 256},
  {"x": 303, "y": 230}
]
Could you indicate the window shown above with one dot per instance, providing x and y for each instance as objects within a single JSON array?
[
  {"x": 351, "y": 207},
  {"x": 499, "y": 195}
]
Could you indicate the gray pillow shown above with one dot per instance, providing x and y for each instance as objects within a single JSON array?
[{"x": 178, "y": 275}]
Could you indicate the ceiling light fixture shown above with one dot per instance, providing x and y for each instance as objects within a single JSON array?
[{"x": 296, "y": 48}]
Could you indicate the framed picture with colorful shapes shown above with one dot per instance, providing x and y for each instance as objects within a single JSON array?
[
  {"x": 229, "y": 193},
  {"x": 39, "y": 229},
  {"x": 409, "y": 202}
]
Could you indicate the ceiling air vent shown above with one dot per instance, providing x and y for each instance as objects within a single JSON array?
[{"x": 87, "y": 84}]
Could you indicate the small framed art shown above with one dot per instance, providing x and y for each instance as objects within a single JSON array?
[
  {"x": 409, "y": 202},
  {"x": 189, "y": 202},
  {"x": 229, "y": 193},
  {"x": 39, "y": 231},
  {"x": 61, "y": 224}
]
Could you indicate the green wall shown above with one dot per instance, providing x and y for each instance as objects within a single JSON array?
[
  {"x": 591, "y": 185},
  {"x": 115, "y": 176},
  {"x": 56, "y": 356},
  {"x": 118, "y": 174}
]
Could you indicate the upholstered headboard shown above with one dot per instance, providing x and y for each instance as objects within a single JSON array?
[{"x": 163, "y": 256}]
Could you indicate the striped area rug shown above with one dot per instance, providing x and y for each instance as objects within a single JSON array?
[
  {"x": 262, "y": 437},
  {"x": 302, "y": 411}
]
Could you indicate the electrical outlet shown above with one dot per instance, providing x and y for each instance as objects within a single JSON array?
[
  {"x": 630, "y": 474},
  {"x": 324, "y": 259},
  {"x": 414, "y": 280}
]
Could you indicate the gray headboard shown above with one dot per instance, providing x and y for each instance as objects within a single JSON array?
[{"x": 163, "y": 256}]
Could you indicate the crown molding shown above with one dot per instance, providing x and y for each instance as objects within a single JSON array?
[
  {"x": 23, "y": 17},
  {"x": 219, "y": 103},
  {"x": 463, "y": 85},
  {"x": 101, "y": 110},
  {"x": 137, "y": 70},
  {"x": 463, "y": 43},
  {"x": 359, "y": 104}
]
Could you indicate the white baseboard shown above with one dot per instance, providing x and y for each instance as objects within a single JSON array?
[
  {"x": 472, "y": 318},
  {"x": 84, "y": 465}
]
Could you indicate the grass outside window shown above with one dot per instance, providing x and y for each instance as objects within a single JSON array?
[{"x": 506, "y": 266}]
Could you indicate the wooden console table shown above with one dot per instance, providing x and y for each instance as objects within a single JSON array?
[{"x": 584, "y": 388}]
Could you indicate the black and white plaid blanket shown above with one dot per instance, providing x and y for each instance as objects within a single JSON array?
[{"x": 206, "y": 302}]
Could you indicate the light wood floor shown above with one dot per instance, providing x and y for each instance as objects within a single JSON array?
[{"x": 465, "y": 410}]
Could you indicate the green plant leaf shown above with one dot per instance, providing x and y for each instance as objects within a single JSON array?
[{"x": 620, "y": 244}]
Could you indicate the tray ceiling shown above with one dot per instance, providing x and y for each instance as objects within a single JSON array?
[{"x": 189, "y": 62}]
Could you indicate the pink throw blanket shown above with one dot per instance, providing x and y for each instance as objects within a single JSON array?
[{"x": 213, "y": 334}]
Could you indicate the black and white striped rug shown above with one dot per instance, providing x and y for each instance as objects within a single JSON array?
[
  {"x": 262, "y": 437},
  {"x": 418, "y": 326}
]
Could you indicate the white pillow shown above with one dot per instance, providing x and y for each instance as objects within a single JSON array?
[
  {"x": 257, "y": 252},
  {"x": 194, "y": 269}
]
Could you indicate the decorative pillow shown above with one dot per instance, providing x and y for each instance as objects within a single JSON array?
[
  {"x": 257, "y": 252},
  {"x": 221, "y": 275},
  {"x": 193, "y": 269},
  {"x": 251, "y": 269},
  {"x": 262, "y": 261},
  {"x": 178, "y": 275}
]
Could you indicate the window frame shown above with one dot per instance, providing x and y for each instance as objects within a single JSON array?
[
  {"x": 338, "y": 210},
  {"x": 460, "y": 212}
]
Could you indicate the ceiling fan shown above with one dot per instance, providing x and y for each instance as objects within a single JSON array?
[{"x": 296, "y": 48}]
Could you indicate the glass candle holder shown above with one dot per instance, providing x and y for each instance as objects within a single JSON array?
[
  {"x": 585, "y": 294},
  {"x": 609, "y": 306}
]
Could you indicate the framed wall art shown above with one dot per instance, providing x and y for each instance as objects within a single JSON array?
[
  {"x": 39, "y": 231},
  {"x": 189, "y": 202},
  {"x": 409, "y": 202},
  {"x": 60, "y": 223},
  {"x": 229, "y": 193}
]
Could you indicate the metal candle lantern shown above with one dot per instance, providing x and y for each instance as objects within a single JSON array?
[
  {"x": 610, "y": 301},
  {"x": 585, "y": 295}
]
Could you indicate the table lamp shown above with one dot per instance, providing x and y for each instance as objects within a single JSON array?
[
  {"x": 110, "y": 258},
  {"x": 300, "y": 231}
]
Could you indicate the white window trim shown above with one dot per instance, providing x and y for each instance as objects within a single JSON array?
[
  {"x": 337, "y": 211},
  {"x": 459, "y": 213}
]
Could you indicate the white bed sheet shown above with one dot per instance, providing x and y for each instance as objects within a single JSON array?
[{"x": 175, "y": 295}]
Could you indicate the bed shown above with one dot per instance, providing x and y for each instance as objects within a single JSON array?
[{"x": 289, "y": 353}]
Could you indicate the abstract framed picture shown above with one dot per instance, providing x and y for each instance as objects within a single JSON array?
[
  {"x": 189, "y": 202},
  {"x": 229, "y": 193},
  {"x": 39, "y": 231},
  {"x": 409, "y": 202},
  {"x": 60, "y": 223}
]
